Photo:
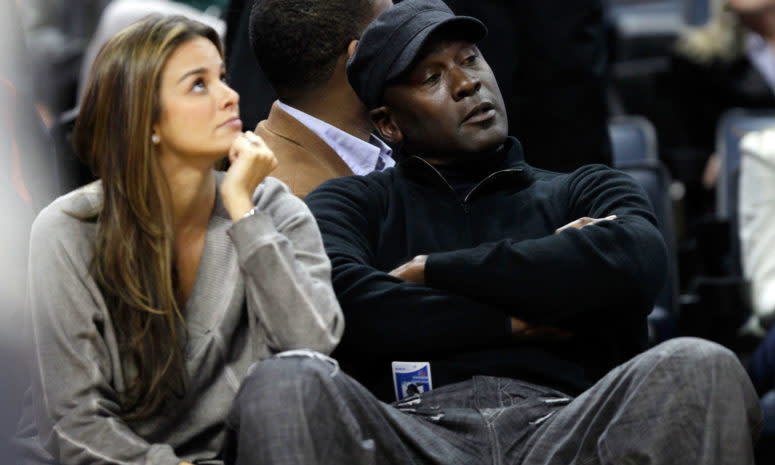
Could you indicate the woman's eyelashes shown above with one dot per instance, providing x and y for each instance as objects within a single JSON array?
[{"x": 200, "y": 83}]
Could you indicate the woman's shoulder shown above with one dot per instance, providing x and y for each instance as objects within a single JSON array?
[{"x": 70, "y": 211}]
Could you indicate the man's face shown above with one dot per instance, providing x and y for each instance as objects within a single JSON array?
[{"x": 448, "y": 102}]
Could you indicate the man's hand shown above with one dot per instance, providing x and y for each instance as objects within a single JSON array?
[
  {"x": 412, "y": 271},
  {"x": 523, "y": 331},
  {"x": 583, "y": 222}
]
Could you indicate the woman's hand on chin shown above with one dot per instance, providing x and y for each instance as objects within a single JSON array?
[{"x": 251, "y": 161}]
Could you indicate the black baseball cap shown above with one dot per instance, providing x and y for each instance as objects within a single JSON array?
[{"x": 390, "y": 44}]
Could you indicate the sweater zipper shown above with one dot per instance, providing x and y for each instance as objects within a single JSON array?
[
  {"x": 438, "y": 173},
  {"x": 490, "y": 176},
  {"x": 464, "y": 203}
]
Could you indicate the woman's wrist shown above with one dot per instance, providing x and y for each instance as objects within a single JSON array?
[{"x": 237, "y": 204}]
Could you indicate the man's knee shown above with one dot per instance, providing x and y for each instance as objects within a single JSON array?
[
  {"x": 696, "y": 354},
  {"x": 686, "y": 364},
  {"x": 694, "y": 349},
  {"x": 699, "y": 362}
]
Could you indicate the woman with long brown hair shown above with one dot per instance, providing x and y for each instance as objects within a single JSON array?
[{"x": 153, "y": 289}]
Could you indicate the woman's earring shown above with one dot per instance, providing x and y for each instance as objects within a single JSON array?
[{"x": 155, "y": 139}]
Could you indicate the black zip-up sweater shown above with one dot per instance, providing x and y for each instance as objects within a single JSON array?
[{"x": 492, "y": 253}]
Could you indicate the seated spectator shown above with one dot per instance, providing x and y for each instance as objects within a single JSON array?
[
  {"x": 517, "y": 297},
  {"x": 728, "y": 63},
  {"x": 757, "y": 223},
  {"x": 155, "y": 288},
  {"x": 318, "y": 128}
]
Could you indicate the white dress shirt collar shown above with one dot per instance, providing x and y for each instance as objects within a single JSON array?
[{"x": 360, "y": 156}]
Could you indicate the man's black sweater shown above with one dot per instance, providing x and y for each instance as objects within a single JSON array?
[{"x": 492, "y": 253}]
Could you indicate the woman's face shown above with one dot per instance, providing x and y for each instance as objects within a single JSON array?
[{"x": 199, "y": 116}]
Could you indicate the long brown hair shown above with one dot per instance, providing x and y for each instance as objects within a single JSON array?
[{"x": 134, "y": 247}]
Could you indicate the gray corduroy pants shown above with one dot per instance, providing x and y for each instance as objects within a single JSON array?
[{"x": 686, "y": 401}]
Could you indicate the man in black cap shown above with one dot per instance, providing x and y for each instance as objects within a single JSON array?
[{"x": 514, "y": 298}]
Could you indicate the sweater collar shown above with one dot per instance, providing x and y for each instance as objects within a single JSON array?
[{"x": 510, "y": 160}]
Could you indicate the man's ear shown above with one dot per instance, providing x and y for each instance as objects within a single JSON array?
[
  {"x": 351, "y": 48},
  {"x": 382, "y": 119}
]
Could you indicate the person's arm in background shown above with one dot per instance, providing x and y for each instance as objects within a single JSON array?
[
  {"x": 564, "y": 275},
  {"x": 757, "y": 219},
  {"x": 379, "y": 307}
]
